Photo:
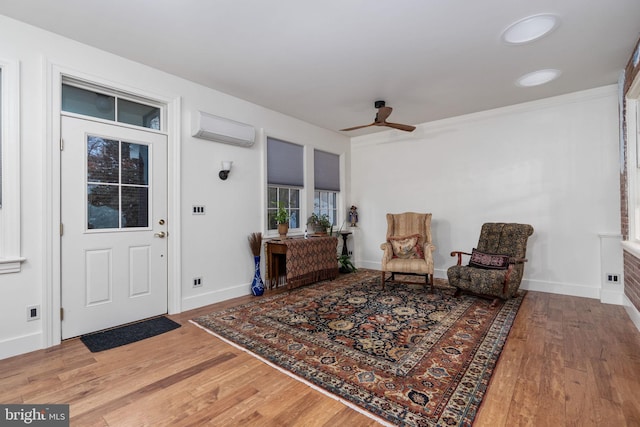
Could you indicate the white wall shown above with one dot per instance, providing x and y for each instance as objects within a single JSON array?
[
  {"x": 551, "y": 163},
  {"x": 213, "y": 246}
]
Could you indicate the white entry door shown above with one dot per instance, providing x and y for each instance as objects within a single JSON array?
[{"x": 114, "y": 230}]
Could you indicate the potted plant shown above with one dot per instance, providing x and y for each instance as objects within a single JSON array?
[
  {"x": 320, "y": 223},
  {"x": 346, "y": 266},
  {"x": 282, "y": 218}
]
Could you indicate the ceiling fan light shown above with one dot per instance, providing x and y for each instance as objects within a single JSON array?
[
  {"x": 537, "y": 78},
  {"x": 529, "y": 29}
]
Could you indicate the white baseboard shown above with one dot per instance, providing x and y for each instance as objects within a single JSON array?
[
  {"x": 561, "y": 288},
  {"x": 632, "y": 311},
  {"x": 200, "y": 300},
  {"x": 612, "y": 297},
  {"x": 21, "y": 345},
  {"x": 535, "y": 285}
]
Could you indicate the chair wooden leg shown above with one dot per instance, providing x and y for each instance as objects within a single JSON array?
[
  {"x": 457, "y": 293},
  {"x": 495, "y": 303},
  {"x": 383, "y": 280}
]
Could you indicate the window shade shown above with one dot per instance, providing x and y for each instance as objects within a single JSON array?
[
  {"x": 284, "y": 163},
  {"x": 326, "y": 167}
]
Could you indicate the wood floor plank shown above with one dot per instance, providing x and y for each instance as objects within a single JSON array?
[{"x": 568, "y": 361}]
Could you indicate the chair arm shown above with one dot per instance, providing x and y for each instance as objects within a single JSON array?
[
  {"x": 459, "y": 253},
  {"x": 388, "y": 251},
  {"x": 514, "y": 260},
  {"x": 427, "y": 251},
  {"x": 429, "y": 247}
]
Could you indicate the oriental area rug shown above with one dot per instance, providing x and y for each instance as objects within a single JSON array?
[{"x": 403, "y": 355}]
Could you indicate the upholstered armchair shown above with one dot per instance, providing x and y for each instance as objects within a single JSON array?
[
  {"x": 496, "y": 266},
  {"x": 408, "y": 249}
]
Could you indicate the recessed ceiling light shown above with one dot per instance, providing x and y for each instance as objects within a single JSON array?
[
  {"x": 537, "y": 78},
  {"x": 529, "y": 29}
]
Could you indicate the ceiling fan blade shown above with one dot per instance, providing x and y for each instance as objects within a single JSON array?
[
  {"x": 407, "y": 128},
  {"x": 383, "y": 113},
  {"x": 358, "y": 127}
]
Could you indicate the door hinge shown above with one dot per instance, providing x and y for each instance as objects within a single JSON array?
[
  {"x": 61, "y": 229},
  {"x": 61, "y": 313},
  {"x": 61, "y": 144}
]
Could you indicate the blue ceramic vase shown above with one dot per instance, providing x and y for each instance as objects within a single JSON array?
[{"x": 257, "y": 286}]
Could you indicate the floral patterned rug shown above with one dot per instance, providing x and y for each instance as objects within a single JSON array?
[{"x": 404, "y": 355}]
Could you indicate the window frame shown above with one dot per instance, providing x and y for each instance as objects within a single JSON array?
[
  {"x": 333, "y": 207},
  {"x": 331, "y": 210},
  {"x": 632, "y": 120},
  {"x": 271, "y": 205},
  {"x": 117, "y": 95},
  {"x": 10, "y": 143}
]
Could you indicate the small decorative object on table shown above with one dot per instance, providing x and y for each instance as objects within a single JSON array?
[
  {"x": 319, "y": 223},
  {"x": 255, "y": 242},
  {"x": 282, "y": 218},
  {"x": 353, "y": 216}
]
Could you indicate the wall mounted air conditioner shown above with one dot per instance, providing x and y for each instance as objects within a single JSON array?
[{"x": 214, "y": 128}]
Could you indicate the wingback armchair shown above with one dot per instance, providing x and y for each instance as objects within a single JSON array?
[
  {"x": 496, "y": 266},
  {"x": 408, "y": 248}
]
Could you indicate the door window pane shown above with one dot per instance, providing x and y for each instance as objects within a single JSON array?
[
  {"x": 135, "y": 158},
  {"x": 117, "y": 184},
  {"x": 102, "y": 159},
  {"x": 103, "y": 206},
  {"x": 135, "y": 211}
]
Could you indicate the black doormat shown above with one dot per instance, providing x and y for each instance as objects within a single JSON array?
[{"x": 111, "y": 338}]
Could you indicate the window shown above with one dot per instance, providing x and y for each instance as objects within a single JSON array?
[
  {"x": 99, "y": 103},
  {"x": 326, "y": 167},
  {"x": 285, "y": 181}
]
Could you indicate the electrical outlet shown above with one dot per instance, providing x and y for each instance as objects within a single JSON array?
[
  {"x": 33, "y": 312},
  {"x": 198, "y": 210},
  {"x": 197, "y": 282},
  {"x": 613, "y": 278}
]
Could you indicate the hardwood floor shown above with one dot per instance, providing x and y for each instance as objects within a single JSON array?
[{"x": 568, "y": 361}]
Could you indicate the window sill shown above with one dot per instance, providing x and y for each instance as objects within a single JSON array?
[
  {"x": 632, "y": 247},
  {"x": 11, "y": 265}
]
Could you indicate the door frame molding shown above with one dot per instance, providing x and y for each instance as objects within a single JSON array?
[{"x": 51, "y": 243}]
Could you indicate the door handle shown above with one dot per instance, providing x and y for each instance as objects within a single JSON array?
[{"x": 161, "y": 234}]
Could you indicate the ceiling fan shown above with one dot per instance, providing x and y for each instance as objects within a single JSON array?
[{"x": 381, "y": 119}]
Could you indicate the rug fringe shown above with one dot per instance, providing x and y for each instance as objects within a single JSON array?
[{"x": 296, "y": 377}]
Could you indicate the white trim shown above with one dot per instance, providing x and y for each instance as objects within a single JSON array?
[
  {"x": 51, "y": 197},
  {"x": 632, "y": 168},
  {"x": 20, "y": 345},
  {"x": 218, "y": 295},
  {"x": 632, "y": 247},
  {"x": 615, "y": 297},
  {"x": 174, "y": 209},
  {"x": 10, "y": 228},
  {"x": 633, "y": 312},
  {"x": 11, "y": 265}
]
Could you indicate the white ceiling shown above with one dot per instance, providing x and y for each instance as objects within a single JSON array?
[{"x": 326, "y": 62}]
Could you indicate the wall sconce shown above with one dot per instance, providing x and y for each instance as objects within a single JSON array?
[{"x": 226, "y": 168}]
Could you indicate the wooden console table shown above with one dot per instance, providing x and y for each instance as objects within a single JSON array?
[{"x": 295, "y": 262}]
